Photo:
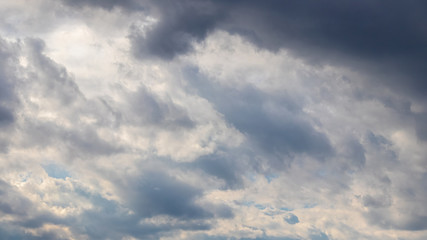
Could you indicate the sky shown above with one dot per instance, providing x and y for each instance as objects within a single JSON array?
[{"x": 213, "y": 119}]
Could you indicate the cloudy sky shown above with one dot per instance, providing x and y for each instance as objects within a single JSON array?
[{"x": 213, "y": 119}]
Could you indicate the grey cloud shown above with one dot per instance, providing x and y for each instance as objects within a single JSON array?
[
  {"x": 410, "y": 196},
  {"x": 88, "y": 141},
  {"x": 9, "y": 53},
  {"x": 385, "y": 40},
  {"x": 152, "y": 194},
  {"x": 275, "y": 124},
  {"x": 181, "y": 23},
  {"x": 377, "y": 201},
  {"x": 13, "y": 233},
  {"x": 227, "y": 168},
  {"x": 156, "y": 193},
  {"x": 8, "y": 60},
  {"x": 107, "y": 220},
  {"x": 383, "y": 145},
  {"x": 147, "y": 108},
  {"x": 6, "y": 116},
  {"x": 12, "y": 202},
  {"x": 408, "y": 221},
  {"x": 352, "y": 34},
  {"x": 80, "y": 143},
  {"x": 421, "y": 125},
  {"x": 25, "y": 214},
  {"x": 104, "y": 225},
  {"x": 416, "y": 223},
  {"x": 355, "y": 153},
  {"x": 52, "y": 78},
  {"x": 39, "y": 220}
]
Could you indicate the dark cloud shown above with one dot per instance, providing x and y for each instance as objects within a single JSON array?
[
  {"x": 110, "y": 220},
  {"x": 13, "y": 233},
  {"x": 9, "y": 53},
  {"x": 365, "y": 35},
  {"x": 421, "y": 125},
  {"x": 156, "y": 193},
  {"x": 181, "y": 23},
  {"x": 151, "y": 195},
  {"x": 87, "y": 141},
  {"x": 355, "y": 153},
  {"x": 8, "y": 69},
  {"x": 6, "y": 116},
  {"x": 416, "y": 223},
  {"x": 12, "y": 202},
  {"x": 385, "y": 40},
  {"x": 229, "y": 169},
  {"x": 275, "y": 124}
]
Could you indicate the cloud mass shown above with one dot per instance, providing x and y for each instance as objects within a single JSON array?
[{"x": 201, "y": 119}]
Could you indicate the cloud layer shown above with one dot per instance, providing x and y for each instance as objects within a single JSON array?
[{"x": 202, "y": 119}]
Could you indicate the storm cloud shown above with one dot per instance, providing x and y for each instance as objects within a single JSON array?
[{"x": 384, "y": 39}]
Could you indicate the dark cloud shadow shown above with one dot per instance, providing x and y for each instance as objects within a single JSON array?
[
  {"x": 230, "y": 169},
  {"x": 275, "y": 124},
  {"x": 156, "y": 193}
]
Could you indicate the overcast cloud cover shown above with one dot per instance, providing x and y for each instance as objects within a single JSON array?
[{"x": 213, "y": 119}]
